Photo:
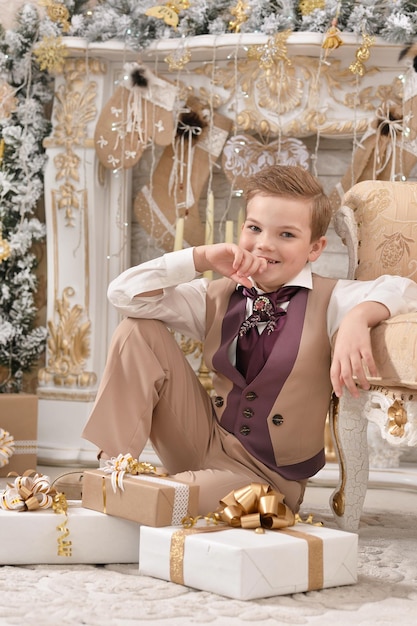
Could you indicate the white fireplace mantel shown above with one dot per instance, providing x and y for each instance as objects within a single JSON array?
[{"x": 88, "y": 208}]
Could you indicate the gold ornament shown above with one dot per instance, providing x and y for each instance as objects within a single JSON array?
[
  {"x": 169, "y": 12},
  {"x": 8, "y": 101},
  {"x": 240, "y": 13},
  {"x": 308, "y": 6},
  {"x": 50, "y": 54},
  {"x": 362, "y": 54},
  {"x": 5, "y": 250},
  {"x": 332, "y": 39},
  {"x": 178, "y": 60},
  {"x": 2, "y": 144},
  {"x": 57, "y": 12},
  {"x": 272, "y": 52}
]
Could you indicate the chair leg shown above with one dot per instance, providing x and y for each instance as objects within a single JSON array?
[{"x": 349, "y": 431}]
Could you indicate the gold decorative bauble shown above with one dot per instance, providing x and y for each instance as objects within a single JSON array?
[
  {"x": 308, "y": 6},
  {"x": 50, "y": 54}
]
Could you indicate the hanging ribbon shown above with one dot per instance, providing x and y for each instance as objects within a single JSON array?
[
  {"x": 7, "y": 447},
  {"x": 186, "y": 132},
  {"x": 255, "y": 506},
  {"x": 126, "y": 464},
  {"x": 386, "y": 125},
  {"x": 60, "y": 507}
]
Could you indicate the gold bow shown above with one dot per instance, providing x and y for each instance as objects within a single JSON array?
[
  {"x": 7, "y": 443},
  {"x": 32, "y": 491},
  {"x": 256, "y": 506},
  {"x": 29, "y": 492},
  {"x": 126, "y": 464}
]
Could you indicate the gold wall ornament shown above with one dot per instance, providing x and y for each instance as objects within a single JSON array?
[
  {"x": 362, "y": 55},
  {"x": 240, "y": 13},
  {"x": 68, "y": 346},
  {"x": 68, "y": 199},
  {"x": 75, "y": 108},
  {"x": 50, "y": 54}
]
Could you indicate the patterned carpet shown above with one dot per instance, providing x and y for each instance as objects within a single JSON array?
[{"x": 116, "y": 595}]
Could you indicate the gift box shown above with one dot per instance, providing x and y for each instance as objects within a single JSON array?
[
  {"x": 18, "y": 432},
  {"x": 244, "y": 564},
  {"x": 150, "y": 500},
  {"x": 30, "y": 537}
]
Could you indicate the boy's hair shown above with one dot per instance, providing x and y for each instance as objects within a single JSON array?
[{"x": 292, "y": 181}]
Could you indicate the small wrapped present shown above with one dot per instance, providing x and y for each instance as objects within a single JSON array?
[
  {"x": 18, "y": 432},
  {"x": 146, "y": 498},
  {"x": 251, "y": 552},
  {"x": 40, "y": 526},
  {"x": 243, "y": 564}
]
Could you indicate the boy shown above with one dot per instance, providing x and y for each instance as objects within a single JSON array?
[{"x": 273, "y": 374}]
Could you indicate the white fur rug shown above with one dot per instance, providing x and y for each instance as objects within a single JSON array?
[{"x": 116, "y": 595}]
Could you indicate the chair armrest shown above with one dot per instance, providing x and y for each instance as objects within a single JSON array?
[{"x": 394, "y": 346}]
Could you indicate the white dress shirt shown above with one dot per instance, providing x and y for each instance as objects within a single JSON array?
[{"x": 182, "y": 305}]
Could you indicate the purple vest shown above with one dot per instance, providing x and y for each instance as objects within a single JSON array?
[{"x": 249, "y": 411}]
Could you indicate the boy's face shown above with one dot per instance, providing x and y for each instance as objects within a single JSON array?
[{"x": 279, "y": 230}]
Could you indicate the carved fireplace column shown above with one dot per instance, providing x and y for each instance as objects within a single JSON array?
[{"x": 88, "y": 244}]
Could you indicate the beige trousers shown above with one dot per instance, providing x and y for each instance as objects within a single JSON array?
[{"x": 149, "y": 391}]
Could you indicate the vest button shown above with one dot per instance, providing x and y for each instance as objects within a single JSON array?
[
  {"x": 251, "y": 395},
  {"x": 277, "y": 420},
  {"x": 248, "y": 413},
  {"x": 218, "y": 401},
  {"x": 244, "y": 430}
]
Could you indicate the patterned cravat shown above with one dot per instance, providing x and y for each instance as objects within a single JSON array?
[{"x": 253, "y": 348}]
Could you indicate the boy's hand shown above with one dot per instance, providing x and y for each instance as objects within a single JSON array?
[
  {"x": 352, "y": 354},
  {"x": 228, "y": 260}
]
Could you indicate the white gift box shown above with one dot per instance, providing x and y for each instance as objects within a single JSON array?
[
  {"x": 29, "y": 537},
  {"x": 244, "y": 565}
]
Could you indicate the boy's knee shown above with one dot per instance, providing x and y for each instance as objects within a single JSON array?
[{"x": 138, "y": 330}]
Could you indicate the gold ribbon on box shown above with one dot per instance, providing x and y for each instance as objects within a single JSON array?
[
  {"x": 255, "y": 506},
  {"x": 31, "y": 491}
]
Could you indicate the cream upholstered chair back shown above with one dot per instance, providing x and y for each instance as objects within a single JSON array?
[{"x": 378, "y": 223}]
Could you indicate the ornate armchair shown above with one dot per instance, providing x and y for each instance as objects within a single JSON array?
[{"x": 377, "y": 222}]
